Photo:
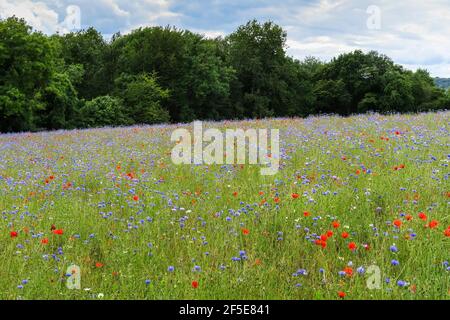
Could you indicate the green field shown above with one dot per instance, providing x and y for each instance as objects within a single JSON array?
[{"x": 351, "y": 193}]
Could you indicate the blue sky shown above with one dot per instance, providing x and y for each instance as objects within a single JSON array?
[{"x": 414, "y": 33}]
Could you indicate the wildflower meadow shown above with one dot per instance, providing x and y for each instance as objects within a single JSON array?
[{"x": 359, "y": 209}]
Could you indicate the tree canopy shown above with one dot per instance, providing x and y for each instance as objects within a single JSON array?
[{"x": 163, "y": 74}]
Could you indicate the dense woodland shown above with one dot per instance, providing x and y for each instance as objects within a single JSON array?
[{"x": 163, "y": 74}]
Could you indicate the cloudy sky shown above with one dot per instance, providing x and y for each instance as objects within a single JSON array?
[{"x": 414, "y": 33}]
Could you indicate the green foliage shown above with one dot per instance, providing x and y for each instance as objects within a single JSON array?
[
  {"x": 162, "y": 74},
  {"x": 86, "y": 48},
  {"x": 104, "y": 111},
  {"x": 142, "y": 97},
  {"x": 257, "y": 53},
  {"x": 26, "y": 68}
]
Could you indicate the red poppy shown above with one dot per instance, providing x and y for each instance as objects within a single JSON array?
[
  {"x": 329, "y": 233},
  {"x": 44, "y": 241},
  {"x": 422, "y": 216},
  {"x": 341, "y": 294},
  {"x": 397, "y": 223},
  {"x": 352, "y": 246},
  {"x": 348, "y": 271},
  {"x": 295, "y": 195},
  {"x": 336, "y": 224},
  {"x": 433, "y": 224},
  {"x": 136, "y": 198},
  {"x": 409, "y": 217},
  {"x": 195, "y": 284},
  {"x": 447, "y": 232},
  {"x": 306, "y": 213},
  {"x": 358, "y": 172},
  {"x": 52, "y": 227},
  {"x": 98, "y": 264},
  {"x": 345, "y": 235},
  {"x": 235, "y": 194},
  {"x": 245, "y": 231},
  {"x": 13, "y": 234},
  {"x": 58, "y": 231},
  {"x": 323, "y": 237},
  {"x": 277, "y": 200},
  {"x": 321, "y": 243}
]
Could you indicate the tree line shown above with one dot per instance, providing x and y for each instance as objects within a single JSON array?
[{"x": 164, "y": 74}]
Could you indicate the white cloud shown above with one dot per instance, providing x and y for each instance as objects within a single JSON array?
[{"x": 37, "y": 14}]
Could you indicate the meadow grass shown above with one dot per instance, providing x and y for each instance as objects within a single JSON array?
[{"x": 127, "y": 213}]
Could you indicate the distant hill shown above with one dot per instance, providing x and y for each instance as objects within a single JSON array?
[{"x": 442, "y": 82}]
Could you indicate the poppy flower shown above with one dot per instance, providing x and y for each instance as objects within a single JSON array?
[
  {"x": 44, "y": 241},
  {"x": 408, "y": 217},
  {"x": 235, "y": 194},
  {"x": 348, "y": 271},
  {"x": 99, "y": 264},
  {"x": 341, "y": 294},
  {"x": 52, "y": 227},
  {"x": 323, "y": 237},
  {"x": 397, "y": 223},
  {"x": 321, "y": 243},
  {"x": 136, "y": 198},
  {"x": 447, "y": 232},
  {"x": 352, "y": 246},
  {"x": 336, "y": 224},
  {"x": 245, "y": 231},
  {"x": 295, "y": 195},
  {"x": 422, "y": 216},
  {"x": 194, "y": 284},
  {"x": 58, "y": 231},
  {"x": 13, "y": 234},
  {"x": 306, "y": 213},
  {"x": 358, "y": 172},
  {"x": 329, "y": 233},
  {"x": 277, "y": 200},
  {"x": 345, "y": 235},
  {"x": 433, "y": 224}
]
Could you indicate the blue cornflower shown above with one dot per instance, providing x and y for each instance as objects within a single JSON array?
[
  {"x": 171, "y": 269},
  {"x": 197, "y": 268},
  {"x": 401, "y": 283},
  {"x": 302, "y": 272},
  {"x": 394, "y": 248},
  {"x": 395, "y": 262}
]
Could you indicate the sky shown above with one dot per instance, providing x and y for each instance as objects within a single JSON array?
[{"x": 414, "y": 33}]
